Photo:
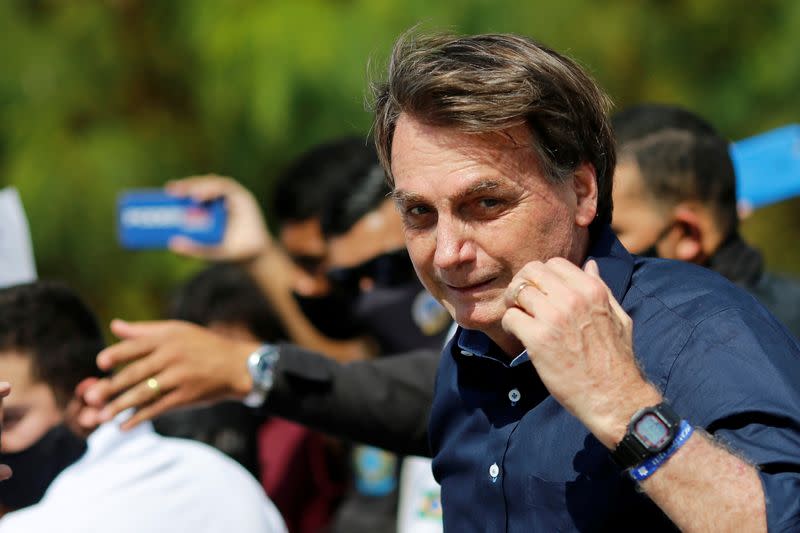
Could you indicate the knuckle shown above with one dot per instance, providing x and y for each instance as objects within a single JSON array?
[
  {"x": 532, "y": 268},
  {"x": 571, "y": 300},
  {"x": 595, "y": 291}
]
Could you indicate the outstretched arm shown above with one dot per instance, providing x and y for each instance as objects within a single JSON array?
[{"x": 383, "y": 402}]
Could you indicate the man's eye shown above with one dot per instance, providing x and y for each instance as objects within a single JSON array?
[
  {"x": 489, "y": 203},
  {"x": 417, "y": 211}
]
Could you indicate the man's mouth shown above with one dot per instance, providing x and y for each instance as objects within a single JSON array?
[{"x": 465, "y": 288}]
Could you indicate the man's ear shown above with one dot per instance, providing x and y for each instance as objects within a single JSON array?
[
  {"x": 691, "y": 234},
  {"x": 585, "y": 188},
  {"x": 81, "y": 418}
]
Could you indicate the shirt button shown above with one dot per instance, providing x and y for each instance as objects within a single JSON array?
[
  {"x": 494, "y": 471},
  {"x": 514, "y": 395}
]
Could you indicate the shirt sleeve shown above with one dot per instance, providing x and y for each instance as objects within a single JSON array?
[
  {"x": 381, "y": 402},
  {"x": 738, "y": 376}
]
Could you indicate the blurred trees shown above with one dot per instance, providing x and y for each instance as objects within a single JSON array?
[{"x": 97, "y": 97}]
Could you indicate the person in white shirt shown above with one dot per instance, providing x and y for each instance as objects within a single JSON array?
[{"x": 135, "y": 481}]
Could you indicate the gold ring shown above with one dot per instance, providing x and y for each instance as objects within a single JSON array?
[
  {"x": 153, "y": 385},
  {"x": 517, "y": 292}
]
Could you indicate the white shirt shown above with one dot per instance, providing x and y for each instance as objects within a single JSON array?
[{"x": 140, "y": 482}]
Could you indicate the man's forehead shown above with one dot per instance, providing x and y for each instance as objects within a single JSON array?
[{"x": 423, "y": 155}]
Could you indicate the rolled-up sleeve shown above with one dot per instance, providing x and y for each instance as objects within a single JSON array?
[{"x": 738, "y": 376}]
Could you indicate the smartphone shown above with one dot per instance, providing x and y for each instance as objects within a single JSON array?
[{"x": 149, "y": 218}]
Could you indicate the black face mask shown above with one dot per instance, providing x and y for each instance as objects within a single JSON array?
[
  {"x": 397, "y": 311},
  {"x": 38, "y": 465},
  {"x": 402, "y": 317},
  {"x": 331, "y": 314}
]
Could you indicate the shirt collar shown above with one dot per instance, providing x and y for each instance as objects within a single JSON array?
[{"x": 616, "y": 268}]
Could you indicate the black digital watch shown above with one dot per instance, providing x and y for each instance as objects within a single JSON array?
[{"x": 651, "y": 431}]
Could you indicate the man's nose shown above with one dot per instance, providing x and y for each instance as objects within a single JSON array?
[{"x": 453, "y": 245}]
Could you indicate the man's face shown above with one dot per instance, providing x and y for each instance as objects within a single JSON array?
[
  {"x": 637, "y": 221},
  {"x": 30, "y": 410},
  {"x": 476, "y": 209},
  {"x": 376, "y": 233},
  {"x": 304, "y": 243}
]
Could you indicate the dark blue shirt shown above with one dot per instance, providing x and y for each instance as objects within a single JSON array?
[{"x": 510, "y": 458}]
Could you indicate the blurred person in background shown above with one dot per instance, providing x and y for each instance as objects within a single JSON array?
[
  {"x": 300, "y": 470},
  {"x": 36, "y": 441},
  {"x": 135, "y": 481},
  {"x": 290, "y": 271},
  {"x": 675, "y": 197}
]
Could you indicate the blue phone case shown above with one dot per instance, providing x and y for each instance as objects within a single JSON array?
[
  {"x": 767, "y": 166},
  {"x": 150, "y": 218}
]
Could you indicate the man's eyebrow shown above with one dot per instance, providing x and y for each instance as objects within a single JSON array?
[
  {"x": 404, "y": 198},
  {"x": 480, "y": 187}
]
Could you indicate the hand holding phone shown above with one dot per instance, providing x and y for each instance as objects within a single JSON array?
[{"x": 246, "y": 236}]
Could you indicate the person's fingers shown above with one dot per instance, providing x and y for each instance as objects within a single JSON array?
[
  {"x": 522, "y": 325},
  {"x": 101, "y": 392},
  {"x": 127, "y": 330},
  {"x": 137, "y": 396},
  {"x": 586, "y": 281},
  {"x": 532, "y": 279},
  {"x": 124, "y": 352},
  {"x": 123, "y": 390},
  {"x": 165, "y": 403},
  {"x": 84, "y": 385},
  {"x": 593, "y": 270},
  {"x": 88, "y": 419},
  {"x": 136, "y": 372},
  {"x": 5, "y": 389},
  {"x": 5, "y": 472},
  {"x": 569, "y": 272},
  {"x": 185, "y": 246},
  {"x": 202, "y": 188}
]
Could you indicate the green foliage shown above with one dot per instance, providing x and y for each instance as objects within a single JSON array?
[{"x": 97, "y": 97}]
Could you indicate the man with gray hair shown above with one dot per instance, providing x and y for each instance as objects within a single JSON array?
[{"x": 570, "y": 351}]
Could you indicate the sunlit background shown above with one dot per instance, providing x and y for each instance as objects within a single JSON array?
[{"x": 98, "y": 97}]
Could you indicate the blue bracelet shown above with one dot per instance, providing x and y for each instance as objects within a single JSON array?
[{"x": 648, "y": 468}]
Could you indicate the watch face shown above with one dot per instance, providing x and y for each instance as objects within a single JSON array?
[{"x": 652, "y": 432}]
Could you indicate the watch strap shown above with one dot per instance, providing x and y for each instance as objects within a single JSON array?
[{"x": 646, "y": 469}]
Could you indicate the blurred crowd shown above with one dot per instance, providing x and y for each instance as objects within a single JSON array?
[{"x": 288, "y": 386}]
